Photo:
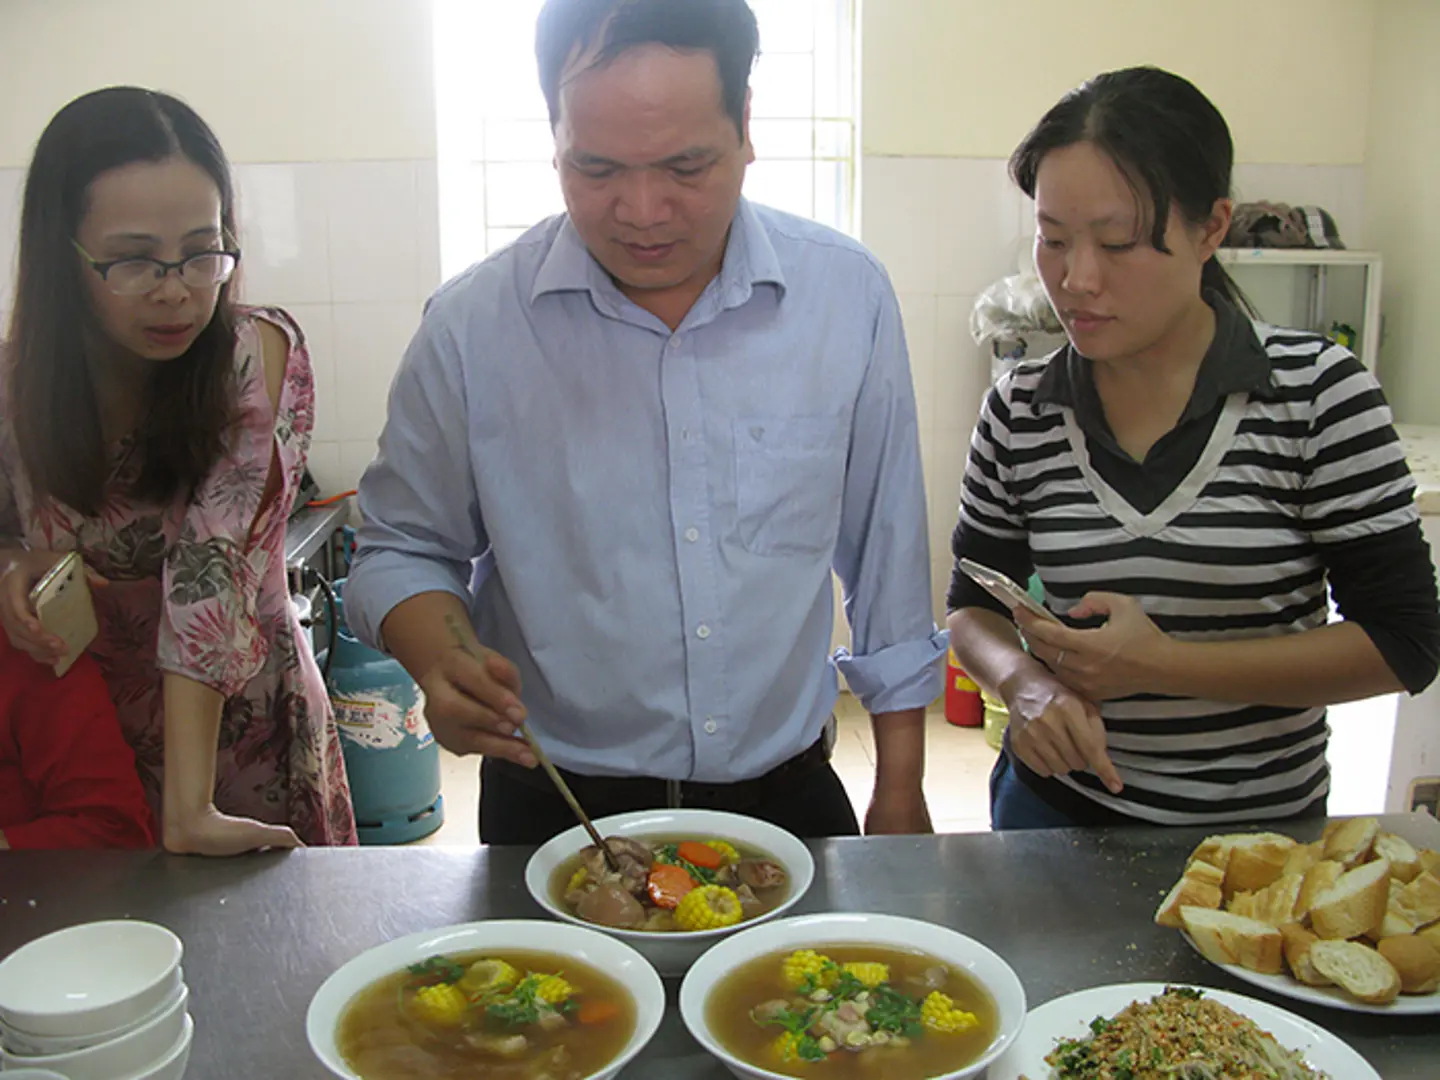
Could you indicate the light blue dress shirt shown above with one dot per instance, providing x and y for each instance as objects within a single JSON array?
[{"x": 645, "y": 521}]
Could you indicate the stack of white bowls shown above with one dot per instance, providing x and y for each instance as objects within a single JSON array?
[{"x": 98, "y": 1001}]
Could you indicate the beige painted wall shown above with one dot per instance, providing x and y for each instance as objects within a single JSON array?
[
  {"x": 1402, "y": 163},
  {"x": 967, "y": 78},
  {"x": 279, "y": 80}
]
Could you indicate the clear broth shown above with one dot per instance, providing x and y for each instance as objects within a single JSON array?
[
  {"x": 727, "y": 1013},
  {"x": 380, "y": 1042}
]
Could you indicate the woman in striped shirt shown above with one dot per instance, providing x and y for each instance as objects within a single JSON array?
[{"x": 1187, "y": 482}]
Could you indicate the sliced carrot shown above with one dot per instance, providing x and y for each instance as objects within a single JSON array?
[
  {"x": 701, "y": 855},
  {"x": 668, "y": 885},
  {"x": 597, "y": 1011}
]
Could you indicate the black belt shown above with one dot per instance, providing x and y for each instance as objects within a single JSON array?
[{"x": 610, "y": 794}]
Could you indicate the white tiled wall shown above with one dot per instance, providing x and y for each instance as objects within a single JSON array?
[
  {"x": 351, "y": 249},
  {"x": 12, "y": 182},
  {"x": 946, "y": 228}
]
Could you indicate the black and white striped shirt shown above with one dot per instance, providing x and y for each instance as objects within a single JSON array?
[{"x": 1238, "y": 548}]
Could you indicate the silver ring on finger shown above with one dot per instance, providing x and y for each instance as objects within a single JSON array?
[{"x": 1060, "y": 659}]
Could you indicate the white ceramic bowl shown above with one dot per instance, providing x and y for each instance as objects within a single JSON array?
[
  {"x": 131, "y": 1052},
  {"x": 616, "y": 959},
  {"x": 808, "y": 931},
  {"x": 23, "y": 1044},
  {"x": 32, "y": 1074},
  {"x": 172, "y": 1065},
  {"x": 95, "y": 977},
  {"x": 673, "y": 953}
]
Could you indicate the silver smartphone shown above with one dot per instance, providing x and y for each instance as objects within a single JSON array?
[
  {"x": 1005, "y": 590},
  {"x": 61, "y": 600}
]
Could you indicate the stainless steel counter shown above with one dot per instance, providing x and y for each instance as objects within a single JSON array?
[{"x": 1067, "y": 909}]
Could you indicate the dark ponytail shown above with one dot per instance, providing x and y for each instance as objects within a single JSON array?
[{"x": 1171, "y": 144}]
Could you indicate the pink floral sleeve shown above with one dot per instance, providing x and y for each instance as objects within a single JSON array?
[{"x": 210, "y": 625}]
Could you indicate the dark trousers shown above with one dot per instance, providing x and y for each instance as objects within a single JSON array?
[{"x": 519, "y": 806}]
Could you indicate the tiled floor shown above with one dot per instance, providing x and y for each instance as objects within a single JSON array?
[{"x": 957, "y": 765}]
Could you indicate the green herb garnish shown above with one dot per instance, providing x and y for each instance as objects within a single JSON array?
[
  {"x": 437, "y": 970},
  {"x": 894, "y": 1012}
]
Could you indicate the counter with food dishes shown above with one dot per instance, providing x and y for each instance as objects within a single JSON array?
[{"x": 901, "y": 950}]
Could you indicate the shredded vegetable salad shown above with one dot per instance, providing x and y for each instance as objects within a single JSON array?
[{"x": 1177, "y": 1035}]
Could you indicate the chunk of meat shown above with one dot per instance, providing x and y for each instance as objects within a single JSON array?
[
  {"x": 761, "y": 873},
  {"x": 932, "y": 979},
  {"x": 847, "y": 1026},
  {"x": 767, "y": 1011},
  {"x": 610, "y": 904},
  {"x": 633, "y": 858},
  {"x": 750, "y": 904},
  {"x": 505, "y": 1046}
]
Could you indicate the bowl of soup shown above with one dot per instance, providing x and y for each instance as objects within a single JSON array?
[
  {"x": 507, "y": 999},
  {"x": 845, "y": 996},
  {"x": 685, "y": 880}
]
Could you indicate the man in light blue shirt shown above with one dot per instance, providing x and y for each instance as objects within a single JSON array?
[{"x": 627, "y": 452}]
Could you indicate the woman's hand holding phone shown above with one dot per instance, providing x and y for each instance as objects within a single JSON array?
[{"x": 20, "y": 571}]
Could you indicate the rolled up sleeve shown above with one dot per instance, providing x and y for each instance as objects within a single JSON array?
[
  {"x": 421, "y": 518},
  {"x": 883, "y": 554}
]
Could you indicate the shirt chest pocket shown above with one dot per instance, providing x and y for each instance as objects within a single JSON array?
[{"x": 789, "y": 483}]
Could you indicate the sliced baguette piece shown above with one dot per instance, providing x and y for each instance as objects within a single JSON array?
[
  {"x": 1224, "y": 938},
  {"x": 1256, "y": 860},
  {"x": 1419, "y": 901},
  {"x": 1206, "y": 873},
  {"x": 1354, "y": 905},
  {"x": 1431, "y": 934},
  {"x": 1416, "y": 960},
  {"x": 1215, "y": 850},
  {"x": 1358, "y": 969},
  {"x": 1302, "y": 857},
  {"x": 1394, "y": 924},
  {"x": 1318, "y": 878},
  {"x": 1352, "y": 840},
  {"x": 1189, "y": 891},
  {"x": 1404, "y": 859},
  {"x": 1275, "y": 904},
  {"x": 1297, "y": 954},
  {"x": 1242, "y": 903}
]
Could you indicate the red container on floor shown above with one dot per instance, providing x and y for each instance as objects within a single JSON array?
[{"x": 963, "y": 706}]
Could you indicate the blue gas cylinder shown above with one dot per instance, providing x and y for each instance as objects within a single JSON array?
[{"x": 390, "y": 754}]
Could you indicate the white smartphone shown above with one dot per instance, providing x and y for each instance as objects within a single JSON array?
[
  {"x": 1005, "y": 590},
  {"x": 62, "y": 603}
]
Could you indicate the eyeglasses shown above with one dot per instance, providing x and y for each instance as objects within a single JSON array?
[{"x": 140, "y": 274}]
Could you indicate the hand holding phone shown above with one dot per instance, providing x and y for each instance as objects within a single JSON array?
[
  {"x": 1005, "y": 590},
  {"x": 62, "y": 603}
]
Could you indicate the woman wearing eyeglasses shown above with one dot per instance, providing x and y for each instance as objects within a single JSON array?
[{"x": 158, "y": 428}]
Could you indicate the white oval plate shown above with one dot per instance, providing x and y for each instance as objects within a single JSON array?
[
  {"x": 1331, "y": 997},
  {"x": 1069, "y": 1017}
]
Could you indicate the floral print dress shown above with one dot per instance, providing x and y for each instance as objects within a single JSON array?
[{"x": 198, "y": 589}]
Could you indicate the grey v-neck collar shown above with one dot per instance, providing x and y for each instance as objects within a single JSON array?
[{"x": 1186, "y": 492}]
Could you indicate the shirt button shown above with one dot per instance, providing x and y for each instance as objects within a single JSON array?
[
  {"x": 692, "y": 534},
  {"x": 702, "y": 631},
  {"x": 710, "y": 726}
]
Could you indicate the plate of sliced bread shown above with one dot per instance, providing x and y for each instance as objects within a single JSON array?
[{"x": 1351, "y": 921}]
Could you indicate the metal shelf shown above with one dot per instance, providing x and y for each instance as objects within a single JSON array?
[{"x": 1318, "y": 262}]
